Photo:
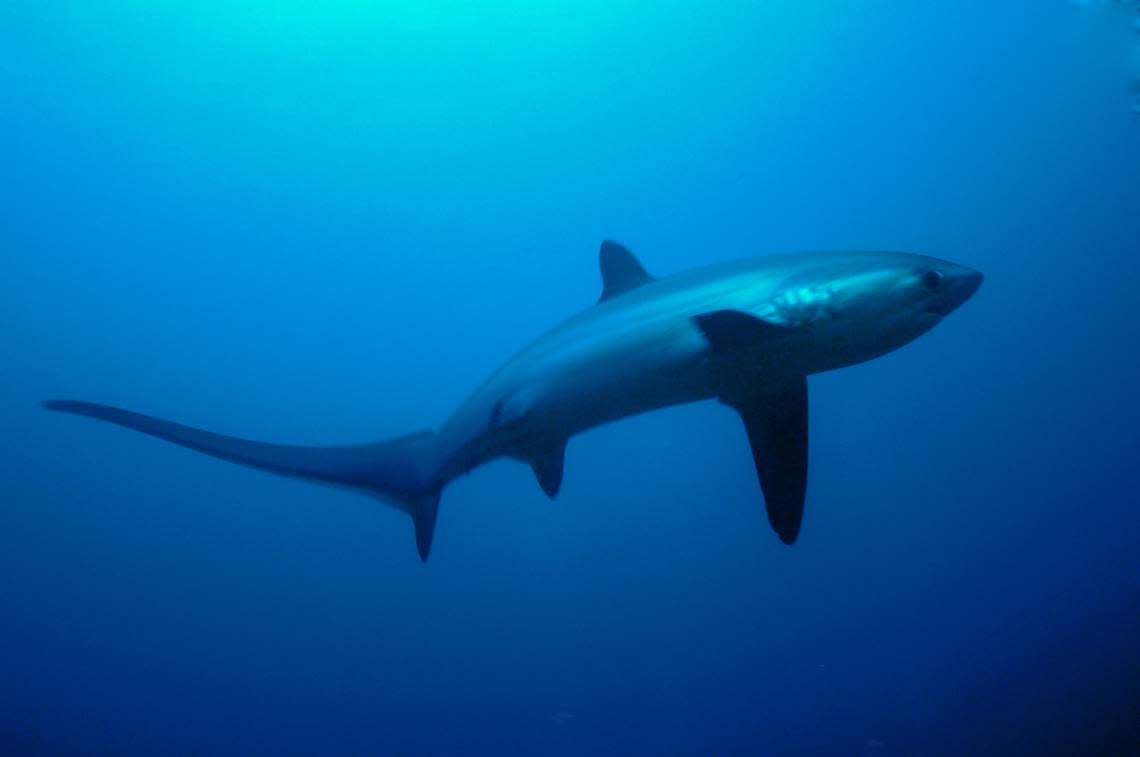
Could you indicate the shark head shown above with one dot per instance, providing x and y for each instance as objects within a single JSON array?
[
  {"x": 896, "y": 290},
  {"x": 945, "y": 286},
  {"x": 856, "y": 306}
]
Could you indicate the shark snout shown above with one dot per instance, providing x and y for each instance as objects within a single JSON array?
[
  {"x": 968, "y": 282},
  {"x": 958, "y": 285}
]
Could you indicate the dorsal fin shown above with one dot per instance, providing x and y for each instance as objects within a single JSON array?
[{"x": 621, "y": 271}]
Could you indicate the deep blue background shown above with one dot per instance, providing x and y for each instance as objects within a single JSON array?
[{"x": 326, "y": 225}]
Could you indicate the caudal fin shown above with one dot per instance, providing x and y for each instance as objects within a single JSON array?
[{"x": 396, "y": 470}]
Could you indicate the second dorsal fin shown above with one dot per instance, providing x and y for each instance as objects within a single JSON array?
[{"x": 621, "y": 271}]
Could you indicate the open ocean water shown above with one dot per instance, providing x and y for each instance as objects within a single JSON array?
[{"x": 326, "y": 223}]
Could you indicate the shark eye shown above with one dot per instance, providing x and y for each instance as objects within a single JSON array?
[{"x": 932, "y": 280}]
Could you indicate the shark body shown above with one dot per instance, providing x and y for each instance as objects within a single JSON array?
[{"x": 746, "y": 333}]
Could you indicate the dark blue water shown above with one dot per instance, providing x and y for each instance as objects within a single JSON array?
[{"x": 327, "y": 224}]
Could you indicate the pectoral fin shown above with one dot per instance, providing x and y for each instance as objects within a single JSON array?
[
  {"x": 777, "y": 425},
  {"x": 728, "y": 330}
]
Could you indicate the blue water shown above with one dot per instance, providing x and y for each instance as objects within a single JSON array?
[{"x": 326, "y": 223}]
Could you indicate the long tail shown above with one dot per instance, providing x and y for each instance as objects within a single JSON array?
[{"x": 395, "y": 470}]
